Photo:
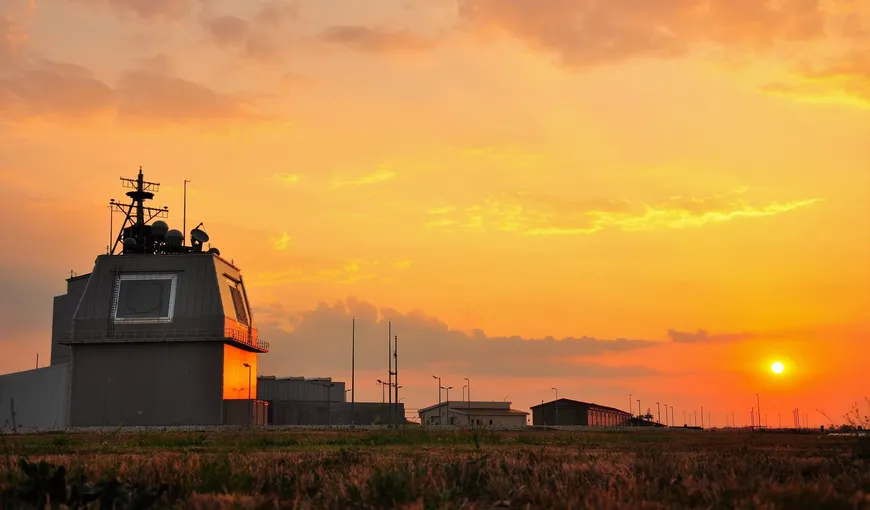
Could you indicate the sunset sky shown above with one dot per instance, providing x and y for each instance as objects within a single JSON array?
[{"x": 647, "y": 197}]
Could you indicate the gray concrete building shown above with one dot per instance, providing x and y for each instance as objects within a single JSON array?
[
  {"x": 321, "y": 401},
  {"x": 159, "y": 334}
]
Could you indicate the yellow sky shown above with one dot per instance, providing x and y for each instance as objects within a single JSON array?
[{"x": 484, "y": 173}]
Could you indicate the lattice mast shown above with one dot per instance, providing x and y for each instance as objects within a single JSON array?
[{"x": 134, "y": 225}]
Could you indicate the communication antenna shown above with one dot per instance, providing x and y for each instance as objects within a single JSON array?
[
  {"x": 133, "y": 232},
  {"x": 184, "y": 220}
]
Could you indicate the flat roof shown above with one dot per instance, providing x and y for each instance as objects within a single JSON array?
[
  {"x": 465, "y": 404},
  {"x": 490, "y": 412}
]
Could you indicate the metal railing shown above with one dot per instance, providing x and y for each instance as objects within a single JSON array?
[{"x": 169, "y": 335}]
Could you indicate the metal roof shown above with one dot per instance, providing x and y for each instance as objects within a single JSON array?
[{"x": 579, "y": 402}]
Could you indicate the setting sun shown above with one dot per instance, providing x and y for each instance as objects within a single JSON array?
[{"x": 777, "y": 367}]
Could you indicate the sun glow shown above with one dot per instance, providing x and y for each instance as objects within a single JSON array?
[{"x": 777, "y": 367}]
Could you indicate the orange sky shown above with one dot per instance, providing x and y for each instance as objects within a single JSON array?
[{"x": 688, "y": 176}]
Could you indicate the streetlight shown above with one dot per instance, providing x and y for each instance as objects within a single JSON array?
[
  {"x": 250, "y": 407},
  {"x": 556, "y": 402},
  {"x": 448, "y": 388},
  {"x": 383, "y": 394},
  {"x": 660, "y": 412},
  {"x": 468, "y": 384},
  {"x": 666, "y": 415},
  {"x": 439, "y": 397}
]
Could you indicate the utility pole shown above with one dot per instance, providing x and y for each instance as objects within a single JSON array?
[
  {"x": 399, "y": 419},
  {"x": 758, "y": 402},
  {"x": 390, "y": 369},
  {"x": 672, "y": 416},
  {"x": 439, "y": 397},
  {"x": 660, "y": 412},
  {"x": 630, "y": 407},
  {"x": 556, "y": 403},
  {"x": 352, "y": 370},
  {"x": 702, "y": 416},
  {"x": 468, "y": 383}
]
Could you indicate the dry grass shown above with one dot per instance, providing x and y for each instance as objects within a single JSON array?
[{"x": 415, "y": 469}]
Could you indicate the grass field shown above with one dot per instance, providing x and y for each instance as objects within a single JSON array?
[{"x": 418, "y": 469}]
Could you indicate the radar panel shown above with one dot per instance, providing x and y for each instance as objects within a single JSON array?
[
  {"x": 238, "y": 303},
  {"x": 144, "y": 298}
]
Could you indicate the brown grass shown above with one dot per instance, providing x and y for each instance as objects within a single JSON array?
[{"x": 392, "y": 469}]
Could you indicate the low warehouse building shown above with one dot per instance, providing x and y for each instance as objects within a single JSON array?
[
  {"x": 567, "y": 412},
  {"x": 320, "y": 401},
  {"x": 465, "y": 413}
]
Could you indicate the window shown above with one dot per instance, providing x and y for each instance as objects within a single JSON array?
[
  {"x": 144, "y": 298},
  {"x": 238, "y": 302}
]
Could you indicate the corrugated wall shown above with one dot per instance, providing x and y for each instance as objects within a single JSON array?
[
  {"x": 322, "y": 413},
  {"x": 41, "y": 398},
  {"x": 298, "y": 390},
  {"x": 157, "y": 384}
]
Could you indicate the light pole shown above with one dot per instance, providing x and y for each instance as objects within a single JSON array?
[
  {"x": 468, "y": 384},
  {"x": 250, "y": 407},
  {"x": 638, "y": 412},
  {"x": 447, "y": 389},
  {"x": 672, "y": 416},
  {"x": 383, "y": 386},
  {"x": 630, "y": 407},
  {"x": 660, "y": 412},
  {"x": 439, "y": 397},
  {"x": 557, "y": 405},
  {"x": 666, "y": 415}
]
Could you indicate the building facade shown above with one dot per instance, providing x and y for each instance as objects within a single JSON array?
[
  {"x": 567, "y": 412},
  {"x": 159, "y": 334},
  {"x": 470, "y": 413}
]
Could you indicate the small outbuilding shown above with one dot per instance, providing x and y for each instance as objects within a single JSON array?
[{"x": 478, "y": 414}]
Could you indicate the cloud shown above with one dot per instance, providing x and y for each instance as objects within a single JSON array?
[
  {"x": 262, "y": 38},
  {"x": 151, "y": 10},
  {"x": 402, "y": 264},
  {"x": 378, "y": 177},
  {"x": 47, "y": 89},
  {"x": 593, "y": 32},
  {"x": 32, "y": 87},
  {"x": 13, "y": 35},
  {"x": 298, "y": 270},
  {"x": 842, "y": 80},
  {"x": 282, "y": 242},
  {"x": 315, "y": 339},
  {"x": 702, "y": 336},
  {"x": 376, "y": 40},
  {"x": 287, "y": 178},
  {"x": 549, "y": 216}
]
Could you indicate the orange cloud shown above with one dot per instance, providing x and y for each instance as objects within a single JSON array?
[
  {"x": 151, "y": 10},
  {"x": 319, "y": 335},
  {"x": 262, "y": 38},
  {"x": 845, "y": 80},
  {"x": 702, "y": 336},
  {"x": 548, "y": 216},
  {"x": 584, "y": 34},
  {"x": 376, "y": 40}
]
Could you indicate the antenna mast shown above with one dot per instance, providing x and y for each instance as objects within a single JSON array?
[
  {"x": 184, "y": 221},
  {"x": 134, "y": 223}
]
